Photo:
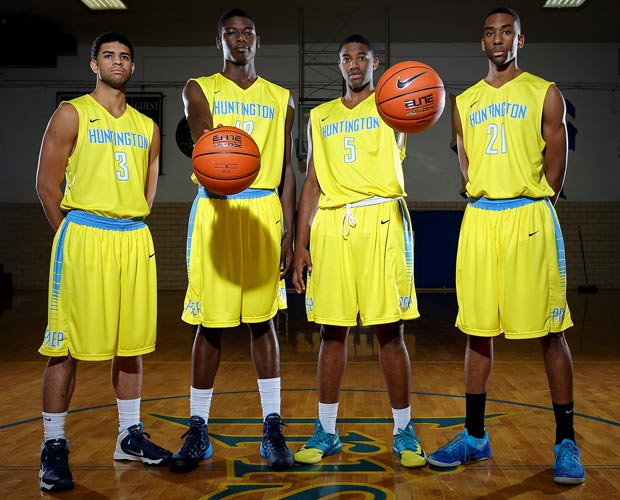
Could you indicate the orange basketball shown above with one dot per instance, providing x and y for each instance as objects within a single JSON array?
[
  {"x": 226, "y": 160},
  {"x": 410, "y": 96}
]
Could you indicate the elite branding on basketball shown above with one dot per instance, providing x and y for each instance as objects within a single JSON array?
[
  {"x": 226, "y": 160},
  {"x": 410, "y": 96}
]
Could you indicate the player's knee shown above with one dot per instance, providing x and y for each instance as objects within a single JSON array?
[{"x": 258, "y": 330}]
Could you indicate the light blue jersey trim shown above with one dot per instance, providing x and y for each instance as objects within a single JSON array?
[
  {"x": 100, "y": 222},
  {"x": 190, "y": 231},
  {"x": 57, "y": 272},
  {"x": 559, "y": 244},
  {"x": 408, "y": 235},
  {"x": 246, "y": 194},
  {"x": 499, "y": 205}
]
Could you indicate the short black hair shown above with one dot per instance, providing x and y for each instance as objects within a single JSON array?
[
  {"x": 233, "y": 13},
  {"x": 110, "y": 36},
  {"x": 357, "y": 38},
  {"x": 506, "y": 10}
]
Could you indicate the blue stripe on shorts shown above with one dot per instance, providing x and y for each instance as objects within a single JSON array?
[
  {"x": 190, "y": 230},
  {"x": 246, "y": 194},
  {"x": 100, "y": 222},
  {"x": 559, "y": 244},
  {"x": 57, "y": 271},
  {"x": 499, "y": 205},
  {"x": 408, "y": 234}
]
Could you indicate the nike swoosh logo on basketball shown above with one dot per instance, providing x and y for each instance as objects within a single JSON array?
[
  {"x": 532, "y": 234},
  {"x": 405, "y": 83},
  {"x": 93, "y": 120}
]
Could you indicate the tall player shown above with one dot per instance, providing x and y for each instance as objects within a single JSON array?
[
  {"x": 352, "y": 213},
  {"x": 239, "y": 246},
  {"x": 102, "y": 294},
  {"x": 511, "y": 273}
]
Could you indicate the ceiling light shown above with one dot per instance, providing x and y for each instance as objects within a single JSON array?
[
  {"x": 560, "y": 4},
  {"x": 105, "y": 4}
]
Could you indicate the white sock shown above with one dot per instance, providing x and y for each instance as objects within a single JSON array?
[
  {"x": 200, "y": 402},
  {"x": 269, "y": 389},
  {"x": 328, "y": 413},
  {"x": 54, "y": 425},
  {"x": 128, "y": 413},
  {"x": 401, "y": 418}
]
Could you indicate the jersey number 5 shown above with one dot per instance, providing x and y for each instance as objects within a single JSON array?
[
  {"x": 349, "y": 148},
  {"x": 122, "y": 173}
]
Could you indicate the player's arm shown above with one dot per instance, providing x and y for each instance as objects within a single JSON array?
[
  {"x": 308, "y": 205},
  {"x": 460, "y": 148},
  {"x": 287, "y": 192},
  {"x": 555, "y": 155},
  {"x": 197, "y": 110},
  {"x": 57, "y": 145},
  {"x": 153, "y": 172}
]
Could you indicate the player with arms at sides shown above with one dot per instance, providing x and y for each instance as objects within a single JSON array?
[
  {"x": 103, "y": 282},
  {"x": 239, "y": 246},
  {"x": 353, "y": 214},
  {"x": 511, "y": 272}
]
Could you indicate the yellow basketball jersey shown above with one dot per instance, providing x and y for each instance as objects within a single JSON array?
[
  {"x": 106, "y": 173},
  {"x": 259, "y": 110},
  {"x": 503, "y": 139},
  {"x": 355, "y": 154}
]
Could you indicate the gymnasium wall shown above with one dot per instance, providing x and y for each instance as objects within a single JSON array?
[{"x": 587, "y": 74}]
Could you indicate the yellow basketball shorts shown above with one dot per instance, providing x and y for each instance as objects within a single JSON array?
[
  {"x": 362, "y": 262},
  {"x": 233, "y": 259},
  {"x": 511, "y": 269},
  {"x": 102, "y": 298}
]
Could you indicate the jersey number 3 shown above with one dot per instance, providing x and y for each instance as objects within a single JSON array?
[{"x": 122, "y": 173}]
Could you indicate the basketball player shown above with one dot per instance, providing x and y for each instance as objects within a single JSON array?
[
  {"x": 511, "y": 274},
  {"x": 102, "y": 296},
  {"x": 239, "y": 247},
  {"x": 353, "y": 214}
]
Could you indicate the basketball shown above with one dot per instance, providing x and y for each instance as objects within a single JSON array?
[
  {"x": 226, "y": 160},
  {"x": 410, "y": 96}
]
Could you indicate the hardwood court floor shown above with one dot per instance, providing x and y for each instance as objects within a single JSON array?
[{"x": 519, "y": 417}]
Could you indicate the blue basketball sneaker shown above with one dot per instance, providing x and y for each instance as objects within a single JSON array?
[
  {"x": 132, "y": 444},
  {"x": 567, "y": 468},
  {"x": 54, "y": 474},
  {"x": 461, "y": 449},
  {"x": 321, "y": 444},
  {"x": 273, "y": 447},
  {"x": 407, "y": 447},
  {"x": 195, "y": 448}
]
